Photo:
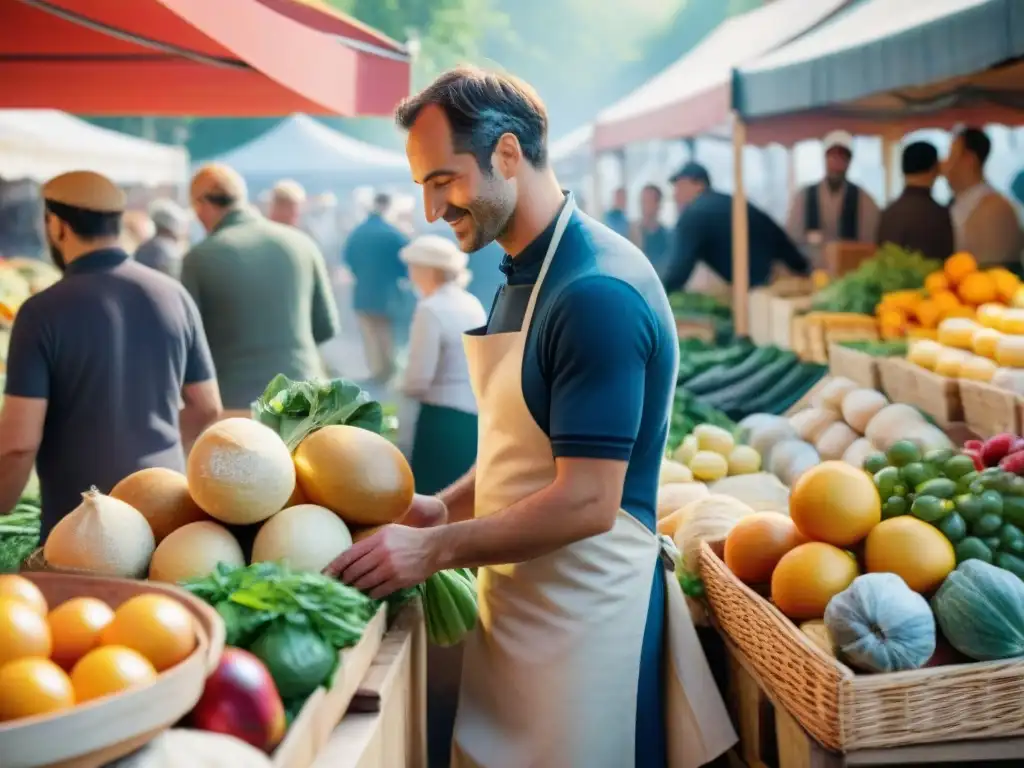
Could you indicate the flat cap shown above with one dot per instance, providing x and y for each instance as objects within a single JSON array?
[{"x": 86, "y": 190}]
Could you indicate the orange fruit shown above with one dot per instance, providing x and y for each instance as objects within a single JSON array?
[
  {"x": 756, "y": 544},
  {"x": 929, "y": 313},
  {"x": 33, "y": 686},
  {"x": 1006, "y": 282},
  {"x": 158, "y": 627},
  {"x": 810, "y": 575},
  {"x": 936, "y": 282},
  {"x": 958, "y": 266},
  {"x": 978, "y": 288},
  {"x": 23, "y": 632},
  {"x": 836, "y": 503},
  {"x": 109, "y": 669},
  {"x": 20, "y": 588},
  {"x": 946, "y": 300},
  {"x": 76, "y": 626}
]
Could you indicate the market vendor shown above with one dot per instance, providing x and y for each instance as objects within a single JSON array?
[
  {"x": 100, "y": 362},
  {"x": 574, "y": 375},
  {"x": 703, "y": 235}
]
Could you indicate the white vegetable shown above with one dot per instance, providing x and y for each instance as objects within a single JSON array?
[
  {"x": 744, "y": 460},
  {"x": 673, "y": 472},
  {"x": 712, "y": 438},
  {"x": 766, "y": 437},
  {"x": 686, "y": 450},
  {"x": 858, "y": 451},
  {"x": 673, "y": 496},
  {"x": 834, "y": 441},
  {"x": 708, "y": 519},
  {"x": 305, "y": 536},
  {"x": 927, "y": 437},
  {"x": 804, "y": 459},
  {"x": 860, "y": 406},
  {"x": 811, "y": 422},
  {"x": 756, "y": 422},
  {"x": 709, "y": 465},
  {"x": 184, "y": 747},
  {"x": 784, "y": 454},
  {"x": 891, "y": 423},
  {"x": 832, "y": 393},
  {"x": 762, "y": 492}
]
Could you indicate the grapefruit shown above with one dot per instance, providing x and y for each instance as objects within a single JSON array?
[
  {"x": 756, "y": 544},
  {"x": 912, "y": 549},
  {"x": 810, "y": 575},
  {"x": 835, "y": 503}
]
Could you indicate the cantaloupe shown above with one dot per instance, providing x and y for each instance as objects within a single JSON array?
[
  {"x": 193, "y": 551},
  {"x": 240, "y": 472},
  {"x": 102, "y": 535},
  {"x": 307, "y": 537},
  {"x": 355, "y": 473},
  {"x": 162, "y": 496}
]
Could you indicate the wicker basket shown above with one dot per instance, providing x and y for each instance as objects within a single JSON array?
[
  {"x": 859, "y": 367},
  {"x": 845, "y": 711},
  {"x": 898, "y": 380},
  {"x": 989, "y": 410},
  {"x": 95, "y": 733}
]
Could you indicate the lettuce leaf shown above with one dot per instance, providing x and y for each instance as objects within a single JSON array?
[{"x": 295, "y": 409}]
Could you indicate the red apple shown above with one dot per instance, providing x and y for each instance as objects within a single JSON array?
[
  {"x": 996, "y": 448},
  {"x": 240, "y": 700}
]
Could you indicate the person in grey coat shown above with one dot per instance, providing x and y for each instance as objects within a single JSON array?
[{"x": 164, "y": 251}]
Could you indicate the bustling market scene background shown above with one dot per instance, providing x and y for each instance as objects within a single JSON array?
[{"x": 832, "y": 195}]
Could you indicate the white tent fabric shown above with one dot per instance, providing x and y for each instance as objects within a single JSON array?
[
  {"x": 41, "y": 143},
  {"x": 318, "y": 157},
  {"x": 693, "y": 95}
]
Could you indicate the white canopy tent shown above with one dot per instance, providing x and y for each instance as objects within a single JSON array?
[{"x": 41, "y": 143}]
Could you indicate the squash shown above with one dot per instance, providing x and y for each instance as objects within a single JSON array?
[
  {"x": 744, "y": 460},
  {"x": 1012, "y": 321},
  {"x": 957, "y": 332},
  {"x": 767, "y": 435},
  {"x": 912, "y": 549},
  {"x": 762, "y": 491},
  {"x": 858, "y": 451},
  {"x": 674, "y": 472},
  {"x": 950, "y": 361},
  {"x": 860, "y": 406},
  {"x": 673, "y": 496},
  {"x": 712, "y": 438},
  {"x": 831, "y": 394},
  {"x": 686, "y": 450},
  {"x": 881, "y": 625},
  {"x": 707, "y": 519},
  {"x": 924, "y": 352},
  {"x": 811, "y": 422},
  {"x": 835, "y": 503},
  {"x": 709, "y": 465},
  {"x": 756, "y": 544},
  {"x": 808, "y": 576},
  {"x": 891, "y": 423},
  {"x": 985, "y": 341},
  {"x": 980, "y": 610},
  {"x": 833, "y": 442},
  {"x": 977, "y": 368},
  {"x": 1010, "y": 351}
]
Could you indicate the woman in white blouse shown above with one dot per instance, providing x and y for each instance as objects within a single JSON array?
[{"x": 436, "y": 376}]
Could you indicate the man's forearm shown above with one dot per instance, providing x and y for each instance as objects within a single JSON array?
[
  {"x": 460, "y": 497},
  {"x": 533, "y": 527},
  {"x": 15, "y": 469}
]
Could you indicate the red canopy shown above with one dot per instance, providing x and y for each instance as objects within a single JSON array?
[{"x": 229, "y": 58}]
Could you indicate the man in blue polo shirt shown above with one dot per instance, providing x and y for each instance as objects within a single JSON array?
[{"x": 574, "y": 375}]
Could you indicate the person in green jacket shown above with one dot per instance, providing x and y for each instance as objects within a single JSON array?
[{"x": 262, "y": 290}]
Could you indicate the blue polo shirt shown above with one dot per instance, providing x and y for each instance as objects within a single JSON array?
[{"x": 599, "y": 374}]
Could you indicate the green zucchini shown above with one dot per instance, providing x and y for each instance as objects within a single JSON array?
[
  {"x": 811, "y": 374},
  {"x": 781, "y": 390},
  {"x": 723, "y": 376},
  {"x": 751, "y": 387}
]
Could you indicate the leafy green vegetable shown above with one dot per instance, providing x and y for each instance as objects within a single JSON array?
[
  {"x": 691, "y": 584},
  {"x": 294, "y": 409},
  {"x": 891, "y": 269},
  {"x": 19, "y": 533},
  {"x": 698, "y": 304},
  {"x": 894, "y": 348},
  {"x": 298, "y": 659}
]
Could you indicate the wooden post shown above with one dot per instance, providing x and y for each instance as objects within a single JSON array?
[
  {"x": 740, "y": 233},
  {"x": 889, "y": 167}
]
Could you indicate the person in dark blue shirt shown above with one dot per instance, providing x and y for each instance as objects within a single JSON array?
[
  {"x": 650, "y": 234},
  {"x": 703, "y": 233},
  {"x": 574, "y": 375},
  {"x": 616, "y": 219}
]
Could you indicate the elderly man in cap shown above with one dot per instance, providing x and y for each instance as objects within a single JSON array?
[
  {"x": 835, "y": 208},
  {"x": 286, "y": 202},
  {"x": 163, "y": 252},
  {"x": 101, "y": 362},
  {"x": 262, "y": 290}
]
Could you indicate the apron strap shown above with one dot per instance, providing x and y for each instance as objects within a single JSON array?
[
  {"x": 668, "y": 552},
  {"x": 563, "y": 221}
]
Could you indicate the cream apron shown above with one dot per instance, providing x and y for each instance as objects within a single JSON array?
[{"x": 550, "y": 674}]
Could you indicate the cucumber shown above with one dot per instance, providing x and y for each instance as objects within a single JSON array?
[
  {"x": 787, "y": 391},
  {"x": 742, "y": 392},
  {"x": 724, "y": 376}
]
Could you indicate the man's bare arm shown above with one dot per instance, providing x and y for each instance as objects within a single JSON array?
[
  {"x": 582, "y": 501},
  {"x": 202, "y": 408},
  {"x": 21, "y": 432}
]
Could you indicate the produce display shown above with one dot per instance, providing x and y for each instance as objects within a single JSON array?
[
  {"x": 52, "y": 659},
  {"x": 711, "y": 453},
  {"x": 861, "y": 291},
  {"x": 19, "y": 530},
  {"x": 881, "y": 348}
]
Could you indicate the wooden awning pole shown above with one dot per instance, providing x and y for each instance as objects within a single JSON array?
[{"x": 740, "y": 233}]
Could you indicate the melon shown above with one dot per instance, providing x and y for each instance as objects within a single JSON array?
[
  {"x": 756, "y": 544},
  {"x": 707, "y": 519},
  {"x": 673, "y": 496},
  {"x": 162, "y": 496},
  {"x": 193, "y": 551},
  {"x": 980, "y": 609},
  {"x": 835, "y": 503},
  {"x": 356, "y": 474},
  {"x": 297, "y": 496},
  {"x": 674, "y": 472},
  {"x": 103, "y": 535},
  {"x": 306, "y": 537},
  {"x": 915, "y": 551},
  {"x": 808, "y": 576},
  {"x": 240, "y": 472}
]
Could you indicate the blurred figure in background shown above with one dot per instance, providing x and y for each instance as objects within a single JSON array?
[
  {"x": 372, "y": 256},
  {"x": 649, "y": 234},
  {"x": 616, "y": 219},
  {"x": 164, "y": 251},
  {"x": 286, "y": 202},
  {"x": 984, "y": 222},
  {"x": 137, "y": 228},
  {"x": 262, "y": 290},
  {"x": 834, "y": 209},
  {"x": 436, "y": 376},
  {"x": 914, "y": 220}
]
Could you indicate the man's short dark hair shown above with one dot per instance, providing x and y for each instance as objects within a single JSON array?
[
  {"x": 977, "y": 143},
  {"x": 652, "y": 188},
  {"x": 87, "y": 225},
  {"x": 381, "y": 200},
  {"x": 919, "y": 157},
  {"x": 481, "y": 107}
]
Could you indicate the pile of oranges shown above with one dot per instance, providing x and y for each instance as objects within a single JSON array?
[
  {"x": 957, "y": 290},
  {"x": 82, "y": 649}
]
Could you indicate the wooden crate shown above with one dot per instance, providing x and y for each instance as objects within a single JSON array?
[
  {"x": 989, "y": 410},
  {"x": 938, "y": 396},
  {"x": 897, "y": 379},
  {"x": 841, "y": 257},
  {"x": 783, "y": 312},
  {"x": 759, "y": 315},
  {"x": 859, "y": 367},
  {"x": 314, "y": 724}
]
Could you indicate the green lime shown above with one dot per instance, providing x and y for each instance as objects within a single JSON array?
[
  {"x": 938, "y": 456},
  {"x": 972, "y": 548},
  {"x": 987, "y": 525},
  {"x": 1011, "y": 539},
  {"x": 953, "y": 527},
  {"x": 886, "y": 481},
  {"x": 969, "y": 506},
  {"x": 992, "y": 503},
  {"x": 940, "y": 487},
  {"x": 928, "y": 508},
  {"x": 894, "y": 506},
  {"x": 915, "y": 473},
  {"x": 903, "y": 452},
  {"x": 875, "y": 462},
  {"x": 958, "y": 466}
]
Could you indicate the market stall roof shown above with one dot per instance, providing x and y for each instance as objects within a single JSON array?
[
  {"x": 196, "y": 57},
  {"x": 693, "y": 95},
  {"x": 40, "y": 144},
  {"x": 316, "y": 156},
  {"x": 885, "y": 63}
]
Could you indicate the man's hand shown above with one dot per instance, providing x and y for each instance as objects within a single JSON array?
[
  {"x": 395, "y": 557},
  {"x": 425, "y": 512}
]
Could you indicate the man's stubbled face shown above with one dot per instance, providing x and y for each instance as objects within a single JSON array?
[{"x": 477, "y": 204}]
